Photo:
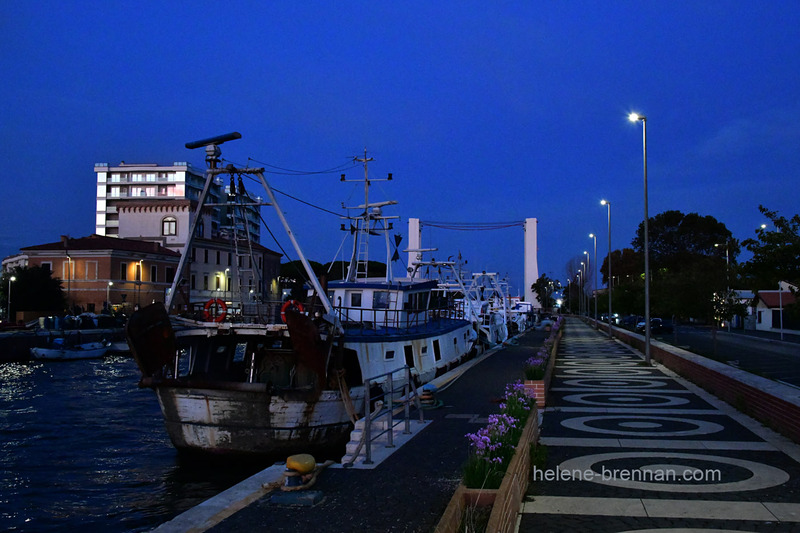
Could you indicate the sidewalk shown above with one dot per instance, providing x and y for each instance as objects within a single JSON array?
[
  {"x": 409, "y": 490},
  {"x": 636, "y": 448}
]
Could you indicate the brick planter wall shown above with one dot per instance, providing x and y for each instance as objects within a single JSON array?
[{"x": 506, "y": 500}]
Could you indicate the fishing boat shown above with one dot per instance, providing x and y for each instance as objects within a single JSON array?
[
  {"x": 58, "y": 351},
  {"x": 295, "y": 382}
]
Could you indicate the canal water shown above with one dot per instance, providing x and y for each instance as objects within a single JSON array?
[{"x": 82, "y": 448}]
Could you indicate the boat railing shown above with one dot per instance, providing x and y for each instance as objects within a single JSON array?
[
  {"x": 397, "y": 387},
  {"x": 368, "y": 321}
]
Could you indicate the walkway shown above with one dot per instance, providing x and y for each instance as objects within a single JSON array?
[
  {"x": 409, "y": 490},
  {"x": 633, "y": 448}
]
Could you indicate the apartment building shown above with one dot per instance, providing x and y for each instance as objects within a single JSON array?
[{"x": 157, "y": 203}]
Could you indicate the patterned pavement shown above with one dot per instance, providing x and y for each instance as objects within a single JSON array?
[{"x": 635, "y": 448}]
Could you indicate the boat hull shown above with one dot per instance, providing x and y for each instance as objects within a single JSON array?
[
  {"x": 218, "y": 421},
  {"x": 94, "y": 350}
]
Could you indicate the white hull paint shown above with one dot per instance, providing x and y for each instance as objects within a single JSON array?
[
  {"x": 234, "y": 421},
  {"x": 92, "y": 350}
]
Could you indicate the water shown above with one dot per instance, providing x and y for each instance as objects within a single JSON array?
[{"x": 82, "y": 448}]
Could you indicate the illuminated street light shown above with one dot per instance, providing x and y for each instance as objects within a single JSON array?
[
  {"x": 596, "y": 275},
  {"x": 610, "y": 319},
  {"x": 108, "y": 294},
  {"x": 587, "y": 276},
  {"x": 8, "y": 311},
  {"x": 635, "y": 117}
]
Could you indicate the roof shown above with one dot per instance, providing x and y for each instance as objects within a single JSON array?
[
  {"x": 100, "y": 242},
  {"x": 774, "y": 299}
]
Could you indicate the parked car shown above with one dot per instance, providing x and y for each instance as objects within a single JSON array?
[{"x": 657, "y": 325}]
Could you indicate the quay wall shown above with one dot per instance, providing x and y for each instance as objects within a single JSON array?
[{"x": 774, "y": 404}]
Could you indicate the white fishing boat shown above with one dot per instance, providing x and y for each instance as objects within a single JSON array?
[
  {"x": 295, "y": 384},
  {"x": 58, "y": 351}
]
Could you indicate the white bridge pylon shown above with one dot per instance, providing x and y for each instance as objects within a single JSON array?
[{"x": 531, "y": 250}]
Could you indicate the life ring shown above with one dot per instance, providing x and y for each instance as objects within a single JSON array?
[
  {"x": 290, "y": 304},
  {"x": 215, "y": 302}
]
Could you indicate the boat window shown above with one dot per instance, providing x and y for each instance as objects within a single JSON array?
[
  {"x": 424, "y": 350},
  {"x": 389, "y": 356},
  {"x": 380, "y": 300},
  {"x": 437, "y": 351},
  {"x": 355, "y": 299}
]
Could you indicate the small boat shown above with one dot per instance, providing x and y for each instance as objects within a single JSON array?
[{"x": 57, "y": 351}]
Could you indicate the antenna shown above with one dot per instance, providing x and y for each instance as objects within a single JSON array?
[{"x": 212, "y": 146}]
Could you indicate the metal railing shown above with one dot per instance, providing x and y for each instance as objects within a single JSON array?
[
  {"x": 406, "y": 392},
  {"x": 369, "y": 320}
]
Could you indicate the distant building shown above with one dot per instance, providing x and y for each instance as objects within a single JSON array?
[
  {"x": 158, "y": 203},
  {"x": 98, "y": 272},
  {"x": 770, "y": 308}
]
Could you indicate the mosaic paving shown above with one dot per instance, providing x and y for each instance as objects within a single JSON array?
[{"x": 633, "y": 448}]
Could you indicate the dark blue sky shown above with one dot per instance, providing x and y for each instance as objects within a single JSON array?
[{"x": 483, "y": 111}]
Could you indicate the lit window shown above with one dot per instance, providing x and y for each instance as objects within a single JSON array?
[{"x": 169, "y": 226}]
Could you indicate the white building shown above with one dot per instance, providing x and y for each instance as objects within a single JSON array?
[
  {"x": 769, "y": 309},
  {"x": 157, "y": 203}
]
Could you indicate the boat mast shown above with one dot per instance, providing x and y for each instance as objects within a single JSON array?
[
  {"x": 212, "y": 160},
  {"x": 367, "y": 223}
]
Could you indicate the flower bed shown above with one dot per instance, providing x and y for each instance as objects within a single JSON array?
[{"x": 498, "y": 470}]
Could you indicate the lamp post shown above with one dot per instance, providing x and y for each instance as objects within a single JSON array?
[
  {"x": 108, "y": 295},
  {"x": 727, "y": 273},
  {"x": 635, "y": 117},
  {"x": 583, "y": 287},
  {"x": 596, "y": 275},
  {"x": 69, "y": 281},
  {"x": 8, "y": 310},
  {"x": 227, "y": 282},
  {"x": 610, "y": 314},
  {"x": 588, "y": 298}
]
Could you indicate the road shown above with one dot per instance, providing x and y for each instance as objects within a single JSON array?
[{"x": 765, "y": 356}]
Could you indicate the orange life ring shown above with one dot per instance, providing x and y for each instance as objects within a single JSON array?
[
  {"x": 293, "y": 304},
  {"x": 215, "y": 302}
]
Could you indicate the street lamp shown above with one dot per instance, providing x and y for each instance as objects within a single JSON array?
[
  {"x": 587, "y": 279},
  {"x": 108, "y": 295},
  {"x": 727, "y": 273},
  {"x": 8, "y": 310},
  {"x": 596, "y": 275},
  {"x": 69, "y": 280},
  {"x": 610, "y": 319},
  {"x": 583, "y": 287},
  {"x": 227, "y": 282},
  {"x": 635, "y": 117}
]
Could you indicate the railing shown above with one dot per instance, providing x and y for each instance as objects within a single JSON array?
[
  {"x": 369, "y": 320},
  {"x": 407, "y": 392}
]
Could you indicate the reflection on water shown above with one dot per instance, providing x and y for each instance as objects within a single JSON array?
[{"x": 83, "y": 448}]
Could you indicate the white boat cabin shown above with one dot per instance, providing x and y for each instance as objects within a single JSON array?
[{"x": 376, "y": 303}]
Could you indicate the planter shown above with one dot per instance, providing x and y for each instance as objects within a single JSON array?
[
  {"x": 479, "y": 497},
  {"x": 506, "y": 500},
  {"x": 538, "y": 387}
]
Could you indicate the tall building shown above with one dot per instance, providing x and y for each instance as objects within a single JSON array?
[{"x": 157, "y": 203}]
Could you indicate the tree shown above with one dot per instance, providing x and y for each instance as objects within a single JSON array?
[
  {"x": 776, "y": 252},
  {"x": 33, "y": 289},
  {"x": 544, "y": 288},
  {"x": 687, "y": 262},
  {"x": 776, "y": 255}
]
